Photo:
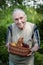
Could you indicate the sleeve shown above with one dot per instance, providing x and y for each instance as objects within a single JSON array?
[
  {"x": 8, "y": 35},
  {"x": 36, "y": 36}
]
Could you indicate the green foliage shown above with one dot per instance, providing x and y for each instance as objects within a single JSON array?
[
  {"x": 3, "y": 54},
  {"x": 41, "y": 48},
  {"x": 38, "y": 58},
  {"x": 19, "y": 1},
  {"x": 6, "y": 19},
  {"x": 40, "y": 9},
  {"x": 2, "y": 35},
  {"x": 33, "y": 16},
  {"x": 40, "y": 26},
  {"x": 3, "y": 49},
  {"x": 3, "y": 4}
]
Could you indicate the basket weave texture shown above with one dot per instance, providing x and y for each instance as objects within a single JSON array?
[{"x": 19, "y": 48}]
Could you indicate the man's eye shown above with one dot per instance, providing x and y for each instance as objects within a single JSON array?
[
  {"x": 21, "y": 17},
  {"x": 16, "y": 19}
]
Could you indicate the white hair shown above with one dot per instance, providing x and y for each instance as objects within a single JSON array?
[{"x": 19, "y": 10}]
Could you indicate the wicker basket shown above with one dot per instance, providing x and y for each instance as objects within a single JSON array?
[{"x": 21, "y": 51}]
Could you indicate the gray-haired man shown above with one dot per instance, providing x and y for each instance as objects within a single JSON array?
[{"x": 30, "y": 34}]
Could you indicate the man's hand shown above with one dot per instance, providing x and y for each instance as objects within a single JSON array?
[
  {"x": 29, "y": 54},
  {"x": 34, "y": 49}
]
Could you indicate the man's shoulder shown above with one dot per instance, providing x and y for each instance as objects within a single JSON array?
[
  {"x": 13, "y": 24},
  {"x": 30, "y": 24}
]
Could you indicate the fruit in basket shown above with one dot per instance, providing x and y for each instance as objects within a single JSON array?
[
  {"x": 13, "y": 44},
  {"x": 20, "y": 42},
  {"x": 18, "y": 48}
]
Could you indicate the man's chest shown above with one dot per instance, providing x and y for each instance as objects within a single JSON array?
[{"x": 26, "y": 34}]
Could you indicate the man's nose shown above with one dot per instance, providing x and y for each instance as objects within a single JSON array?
[{"x": 19, "y": 21}]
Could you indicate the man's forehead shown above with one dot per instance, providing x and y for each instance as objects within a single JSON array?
[{"x": 18, "y": 14}]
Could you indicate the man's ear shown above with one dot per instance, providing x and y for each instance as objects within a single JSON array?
[{"x": 25, "y": 18}]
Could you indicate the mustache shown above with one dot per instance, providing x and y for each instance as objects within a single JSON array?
[{"x": 20, "y": 23}]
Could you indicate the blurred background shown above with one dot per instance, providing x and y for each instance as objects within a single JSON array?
[{"x": 34, "y": 12}]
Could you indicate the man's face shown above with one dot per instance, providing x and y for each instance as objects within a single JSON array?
[{"x": 20, "y": 20}]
